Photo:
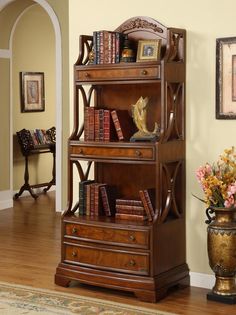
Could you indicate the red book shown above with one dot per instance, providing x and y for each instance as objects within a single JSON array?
[
  {"x": 97, "y": 199},
  {"x": 131, "y": 202},
  {"x": 108, "y": 195},
  {"x": 131, "y": 217},
  {"x": 130, "y": 209},
  {"x": 144, "y": 196},
  {"x": 109, "y": 132},
  {"x": 123, "y": 123}
]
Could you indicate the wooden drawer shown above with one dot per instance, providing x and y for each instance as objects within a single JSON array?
[
  {"x": 146, "y": 153},
  {"x": 114, "y": 73},
  {"x": 131, "y": 262},
  {"x": 105, "y": 235}
]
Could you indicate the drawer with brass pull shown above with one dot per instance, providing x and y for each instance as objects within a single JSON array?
[
  {"x": 104, "y": 258},
  {"x": 106, "y": 235},
  {"x": 112, "y": 151},
  {"x": 117, "y": 72}
]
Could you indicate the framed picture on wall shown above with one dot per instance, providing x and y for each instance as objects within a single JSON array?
[
  {"x": 148, "y": 50},
  {"x": 226, "y": 78},
  {"x": 32, "y": 92}
]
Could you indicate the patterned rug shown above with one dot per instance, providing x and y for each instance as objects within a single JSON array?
[{"x": 22, "y": 300}]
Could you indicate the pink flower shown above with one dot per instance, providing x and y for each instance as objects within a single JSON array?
[
  {"x": 229, "y": 202},
  {"x": 232, "y": 189},
  {"x": 203, "y": 171}
]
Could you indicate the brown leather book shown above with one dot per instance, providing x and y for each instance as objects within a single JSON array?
[
  {"x": 123, "y": 123},
  {"x": 144, "y": 196},
  {"x": 131, "y": 217}
]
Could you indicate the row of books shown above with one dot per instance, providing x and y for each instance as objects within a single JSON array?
[
  {"x": 107, "y": 46},
  {"x": 107, "y": 125},
  {"x": 40, "y": 136},
  {"x": 97, "y": 199}
]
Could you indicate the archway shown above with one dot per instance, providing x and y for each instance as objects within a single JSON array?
[{"x": 58, "y": 78}]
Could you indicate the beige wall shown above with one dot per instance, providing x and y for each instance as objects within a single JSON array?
[
  {"x": 206, "y": 136},
  {"x": 36, "y": 54}
]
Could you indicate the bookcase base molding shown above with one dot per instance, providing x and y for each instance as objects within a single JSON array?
[{"x": 147, "y": 289}]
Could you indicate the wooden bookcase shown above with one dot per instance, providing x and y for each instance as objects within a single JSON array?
[{"x": 146, "y": 258}]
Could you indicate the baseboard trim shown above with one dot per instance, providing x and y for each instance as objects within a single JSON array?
[
  {"x": 202, "y": 280},
  {"x": 6, "y": 200}
]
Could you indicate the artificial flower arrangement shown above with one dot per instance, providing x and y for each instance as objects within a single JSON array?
[{"x": 218, "y": 181}]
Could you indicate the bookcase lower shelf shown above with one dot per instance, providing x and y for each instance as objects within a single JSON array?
[{"x": 112, "y": 253}]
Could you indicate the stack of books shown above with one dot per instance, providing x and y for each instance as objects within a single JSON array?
[
  {"x": 135, "y": 209},
  {"x": 107, "y": 125},
  {"x": 96, "y": 199},
  {"x": 40, "y": 136},
  {"x": 107, "y": 46}
]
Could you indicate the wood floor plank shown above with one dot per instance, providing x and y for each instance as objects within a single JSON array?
[{"x": 30, "y": 251}]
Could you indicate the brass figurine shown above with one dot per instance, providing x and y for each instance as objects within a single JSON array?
[{"x": 139, "y": 114}]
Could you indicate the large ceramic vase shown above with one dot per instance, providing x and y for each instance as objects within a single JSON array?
[{"x": 222, "y": 252}]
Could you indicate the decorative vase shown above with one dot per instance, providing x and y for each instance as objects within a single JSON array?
[{"x": 221, "y": 243}]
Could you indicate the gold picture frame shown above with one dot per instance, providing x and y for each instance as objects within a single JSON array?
[
  {"x": 149, "y": 50},
  {"x": 226, "y": 78},
  {"x": 32, "y": 92}
]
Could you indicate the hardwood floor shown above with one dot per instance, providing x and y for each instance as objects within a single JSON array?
[{"x": 30, "y": 252}]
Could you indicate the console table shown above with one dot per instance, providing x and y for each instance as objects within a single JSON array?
[{"x": 29, "y": 147}]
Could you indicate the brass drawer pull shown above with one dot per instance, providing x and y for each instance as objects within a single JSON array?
[
  {"x": 87, "y": 75},
  {"x": 138, "y": 153},
  {"x": 132, "y": 238},
  {"x": 74, "y": 230},
  {"x": 144, "y": 72},
  {"x": 74, "y": 253},
  {"x": 80, "y": 151},
  {"x": 132, "y": 263}
]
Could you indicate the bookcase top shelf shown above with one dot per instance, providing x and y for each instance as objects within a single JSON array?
[{"x": 143, "y": 28}]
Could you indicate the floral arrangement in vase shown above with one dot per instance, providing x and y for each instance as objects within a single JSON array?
[{"x": 218, "y": 180}]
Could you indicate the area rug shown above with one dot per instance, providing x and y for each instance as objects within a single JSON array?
[{"x": 25, "y": 300}]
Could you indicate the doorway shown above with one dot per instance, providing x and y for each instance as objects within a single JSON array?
[{"x": 58, "y": 77}]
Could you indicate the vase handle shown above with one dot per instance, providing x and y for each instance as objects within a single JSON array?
[{"x": 210, "y": 218}]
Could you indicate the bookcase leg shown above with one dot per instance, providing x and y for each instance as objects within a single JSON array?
[
  {"x": 26, "y": 185},
  {"x": 53, "y": 181}
]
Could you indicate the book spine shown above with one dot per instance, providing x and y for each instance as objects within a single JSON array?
[
  {"x": 105, "y": 201},
  {"x": 86, "y": 124},
  {"x": 98, "y": 48},
  {"x": 109, "y": 48},
  {"x": 147, "y": 197},
  {"x": 88, "y": 189},
  {"x": 113, "y": 47},
  {"x": 101, "y": 47},
  {"x": 92, "y": 200},
  {"x": 145, "y": 204},
  {"x": 106, "y": 125},
  {"x": 117, "y": 125},
  {"x": 96, "y": 124},
  {"x": 81, "y": 198},
  {"x": 131, "y": 210},
  {"x": 95, "y": 47},
  {"x": 101, "y": 118},
  {"x": 131, "y": 202},
  {"x": 117, "y": 47},
  {"x": 132, "y": 217},
  {"x": 91, "y": 123}
]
